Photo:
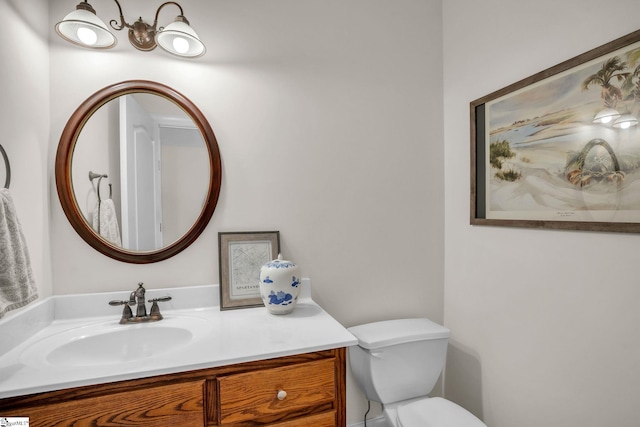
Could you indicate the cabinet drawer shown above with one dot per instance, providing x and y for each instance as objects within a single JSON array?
[
  {"x": 176, "y": 404},
  {"x": 254, "y": 395}
]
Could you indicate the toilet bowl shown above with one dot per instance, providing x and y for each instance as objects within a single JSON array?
[
  {"x": 397, "y": 363},
  {"x": 434, "y": 412}
]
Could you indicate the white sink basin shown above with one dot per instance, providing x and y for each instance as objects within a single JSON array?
[{"x": 111, "y": 343}]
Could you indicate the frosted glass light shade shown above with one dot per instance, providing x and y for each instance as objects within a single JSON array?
[
  {"x": 606, "y": 115},
  {"x": 625, "y": 121},
  {"x": 84, "y": 28},
  {"x": 178, "y": 38}
]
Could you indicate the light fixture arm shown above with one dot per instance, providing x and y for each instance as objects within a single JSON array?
[
  {"x": 155, "y": 21},
  {"x": 142, "y": 35},
  {"x": 114, "y": 24}
]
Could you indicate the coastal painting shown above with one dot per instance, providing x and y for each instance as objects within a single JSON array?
[{"x": 561, "y": 149}]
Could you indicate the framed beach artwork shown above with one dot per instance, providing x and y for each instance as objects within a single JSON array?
[
  {"x": 242, "y": 254},
  {"x": 561, "y": 149}
]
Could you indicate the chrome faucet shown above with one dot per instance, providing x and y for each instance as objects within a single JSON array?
[{"x": 137, "y": 298}]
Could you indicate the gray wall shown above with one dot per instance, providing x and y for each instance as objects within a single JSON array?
[
  {"x": 329, "y": 120},
  {"x": 545, "y": 323},
  {"x": 24, "y": 124}
]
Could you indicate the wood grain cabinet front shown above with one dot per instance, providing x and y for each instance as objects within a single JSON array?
[
  {"x": 175, "y": 404},
  {"x": 300, "y": 390},
  {"x": 269, "y": 394}
]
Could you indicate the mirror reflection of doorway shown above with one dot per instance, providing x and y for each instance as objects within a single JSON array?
[
  {"x": 140, "y": 177},
  {"x": 153, "y": 146},
  {"x": 184, "y": 159}
]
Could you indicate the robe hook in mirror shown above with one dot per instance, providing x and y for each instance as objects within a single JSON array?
[
  {"x": 84, "y": 28},
  {"x": 7, "y": 167},
  {"x": 92, "y": 176}
]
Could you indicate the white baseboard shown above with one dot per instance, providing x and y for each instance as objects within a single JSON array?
[{"x": 372, "y": 422}]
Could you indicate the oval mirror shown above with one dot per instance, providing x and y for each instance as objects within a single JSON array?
[{"x": 138, "y": 171}]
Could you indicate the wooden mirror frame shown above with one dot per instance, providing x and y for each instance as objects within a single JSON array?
[{"x": 64, "y": 159}]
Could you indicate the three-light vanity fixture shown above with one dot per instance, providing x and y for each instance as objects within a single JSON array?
[{"x": 84, "y": 28}]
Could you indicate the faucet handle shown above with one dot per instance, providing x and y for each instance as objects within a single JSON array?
[
  {"x": 161, "y": 299},
  {"x": 155, "y": 310},
  {"x": 118, "y": 302},
  {"x": 126, "y": 312}
]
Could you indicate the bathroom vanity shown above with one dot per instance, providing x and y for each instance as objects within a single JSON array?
[
  {"x": 306, "y": 389},
  {"x": 236, "y": 368}
]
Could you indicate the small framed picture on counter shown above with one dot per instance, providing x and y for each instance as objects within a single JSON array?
[{"x": 241, "y": 255}]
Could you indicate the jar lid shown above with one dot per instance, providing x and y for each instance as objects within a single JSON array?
[{"x": 279, "y": 263}]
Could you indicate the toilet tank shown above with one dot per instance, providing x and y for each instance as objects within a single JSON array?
[{"x": 398, "y": 359}]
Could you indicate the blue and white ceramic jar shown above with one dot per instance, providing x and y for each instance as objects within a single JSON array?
[{"x": 280, "y": 285}]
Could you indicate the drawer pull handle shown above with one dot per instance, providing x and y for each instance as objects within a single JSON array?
[{"x": 282, "y": 395}]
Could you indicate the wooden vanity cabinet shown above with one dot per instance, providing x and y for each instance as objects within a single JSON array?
[{"x": 300, "y": 390}]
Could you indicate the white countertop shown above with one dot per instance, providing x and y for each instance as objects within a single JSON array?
[{"x": 232, "y": 336}]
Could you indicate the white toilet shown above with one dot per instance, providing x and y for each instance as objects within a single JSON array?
[{"x": 397, "y": 363}]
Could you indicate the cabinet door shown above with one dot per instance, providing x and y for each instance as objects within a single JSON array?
[
  {"x": 177, "y": 404},
  {"x": 272, "y": 394}
]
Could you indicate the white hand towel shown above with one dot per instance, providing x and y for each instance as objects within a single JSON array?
[
  {"x": 105, "y": 222},
  {"x": 17, "y": 286}
]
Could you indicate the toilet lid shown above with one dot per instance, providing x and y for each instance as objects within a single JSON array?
[{"x": 436, "y": 412}]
